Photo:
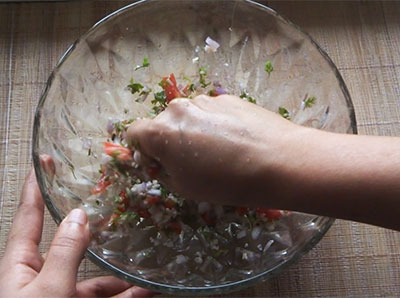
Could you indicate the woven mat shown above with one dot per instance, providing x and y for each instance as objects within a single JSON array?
[{"x": 362, "y": 38}]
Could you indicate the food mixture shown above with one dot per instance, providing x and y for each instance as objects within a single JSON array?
[{"x": 179, "y": 235}]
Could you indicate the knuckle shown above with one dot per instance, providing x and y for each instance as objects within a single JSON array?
[{"x": 67, "y": 242}]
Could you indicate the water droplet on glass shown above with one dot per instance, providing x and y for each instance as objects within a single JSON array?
[
  {"x": 196, "y": 154},
  {"x": 166, "y": 142},
  {"x": 180, "y": 142},
  {"x": 248, "y": 160},
  {"x": 189, "y": 142}
]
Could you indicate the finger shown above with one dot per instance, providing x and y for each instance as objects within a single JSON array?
[
  {"x": 145, "y": 136},
  {"x": 47, "y": 163},
  {"x": 67, "y": 250},
  {"x": 26, "y": 230},
  {"x": 135, "y": 292},
  {"x": 104, "y": 286}
]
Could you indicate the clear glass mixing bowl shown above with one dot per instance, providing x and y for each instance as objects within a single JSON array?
[{"x": 88, "y": 87}]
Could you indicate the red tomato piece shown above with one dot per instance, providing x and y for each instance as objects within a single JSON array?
[
  {"x": 271, "y": 214},
  {"x": 242, "y": 210},
  {"x": 100, "y": 186},
  {"x": 117, "y": 151},
  {"x": 153, "y": 171},
  {"x": 169, "y": 203},
  {"x": 113, "y": 219},
  {"x": 152, "y": 200},
  {"x": 170, "y": 87},
  {"x": 175, "y": 226},
  {"x": 143, "y": 213},
  {"x": 123, "y": 206}
]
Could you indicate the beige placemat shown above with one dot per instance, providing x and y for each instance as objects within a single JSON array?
[{"x": 362, "y": 38}]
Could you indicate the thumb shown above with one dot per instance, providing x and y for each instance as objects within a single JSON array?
[{"x": 66, "y": 251}]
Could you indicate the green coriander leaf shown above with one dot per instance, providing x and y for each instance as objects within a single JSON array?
[
  {"x": 268, "y": 67},
  {"x": 159, "y": 102},
  {"x": 203, "y": 76},
  {"x": 134, "y": 87},
  {"x": 309, "y": 102},
  {"x": 145, "y": 91},
  {"x": 284, "y": 113},
  {"x": 249, "y": 98},
  {"x": 117, "y": 199},
  {"x": 145, "y": 63}
]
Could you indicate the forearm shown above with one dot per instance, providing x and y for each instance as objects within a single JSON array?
[{"x": 345, "y": 176}]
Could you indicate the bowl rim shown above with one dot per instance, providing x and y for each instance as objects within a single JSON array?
[{"x": 171, "y": 289}]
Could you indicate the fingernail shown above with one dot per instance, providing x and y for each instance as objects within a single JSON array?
[{"x": 77, "y": 216}]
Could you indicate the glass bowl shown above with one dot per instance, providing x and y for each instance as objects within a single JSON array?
[{"x": 89, "y": 86}]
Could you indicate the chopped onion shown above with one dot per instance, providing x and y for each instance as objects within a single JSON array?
[
  {"x": 211, "y": 45},
  {"x": 137, "y": 156},
  {"x": 255, "y": 233},
  {"x": 105, "y": 158},
  {"x": 180, "y": 259},
  {"x": 241, "y": 234},
  {"x": 86, "y": 143},
  {"x": 154, "y": 192},
  {"x": 220, "y": 91}
]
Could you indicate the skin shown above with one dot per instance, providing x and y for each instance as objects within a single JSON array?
[
  {"x": 228, "y": 151},
  {"x": 25, "y": 273}
]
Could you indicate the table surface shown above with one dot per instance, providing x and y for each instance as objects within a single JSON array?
[{"x": 362, "y": 38}]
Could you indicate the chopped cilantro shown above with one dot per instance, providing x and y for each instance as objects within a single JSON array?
[
  {"x": 117, "y": 200},
  {"x": 159, "y": 102},
  {"x": 247, "y": 96},
  {"x": 309, "y": 102},
  {"x": 126, "y": 111},
  {"x": 268, "y": 67},
  {"x": 284, "y": 113},
  {"x": 129, "y": 215},
  {"x": 203, "y": 76},
  {"x": 134, "y": 87},
  {"x": 145, "y": 63}
]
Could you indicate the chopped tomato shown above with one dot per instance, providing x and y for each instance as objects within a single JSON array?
[
  {"x": 101, "y": 185},
  {"x": 242, "y": 210},
  {"x": 170, "y": 87},
  {"x": 143, "y": 213},
  {"x": 271, "y": 214},
  {"x": 113, "y": 219},
  {"x": 123, "y": 206},
  {"x": 175, "y": 226},
  {"x": 117, "y": 151},
  {"x": 169, "y": 203},
  {"x": 153, "y": 171},
  {"x": 152, "y": 200}
]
